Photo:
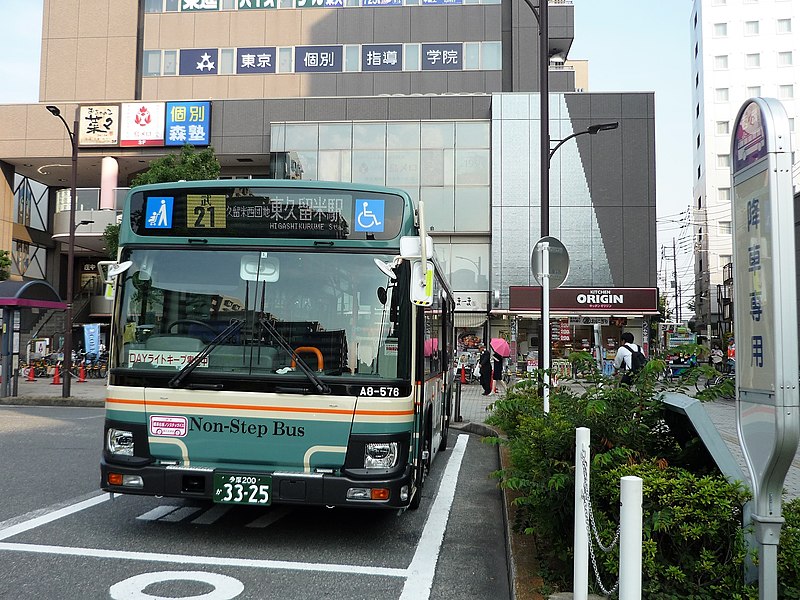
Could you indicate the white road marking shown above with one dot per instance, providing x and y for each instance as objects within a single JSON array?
[
  {"x": 203, "y": 560},
  {"x": 269, "y": 518},
  {"x": 157, "y": 512},
  {"x": 419, "y": 574},
  {"x": 181, "y": 514},
  {"x": 225, "y": 588},
  {"x": 51, "y": 516},
  {"x": 212, "y": 515},
  {"x": 423, "y": 566}
]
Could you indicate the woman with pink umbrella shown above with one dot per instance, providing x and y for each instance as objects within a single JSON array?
[{"x": 500, "y": 350}]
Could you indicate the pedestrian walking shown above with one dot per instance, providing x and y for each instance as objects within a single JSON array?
[
  {"x": 485, "y": 366},
  {"x": 497, "y": 373}
]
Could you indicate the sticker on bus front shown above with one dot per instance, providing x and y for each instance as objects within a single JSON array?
[{"x": 168, "y": 426}]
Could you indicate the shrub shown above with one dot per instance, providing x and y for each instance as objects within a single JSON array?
[{"x": 693, "y": 537}]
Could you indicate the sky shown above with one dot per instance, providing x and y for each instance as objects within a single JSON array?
[{"x": 631, "y": 45}]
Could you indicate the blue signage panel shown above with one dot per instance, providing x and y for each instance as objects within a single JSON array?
[
  {"x": 191, "y": 5},
  {"x": 188, "y": 123},
  {"x": 440, "y": 2},
  {"x": 382, "y": 57},
  {"x": 369, "y": 215},
  {"x": 255, "y": 60},
  {"x": 319, "y": 3},
  {"x": 381, "y": 2},
  {"x": 159, "y": 212},
  {"x": 318, "y": 59},
  {"x": 198, "y": 61},
  {"x": 442, "y": 57},
  {"x": 256, "y": 4}
]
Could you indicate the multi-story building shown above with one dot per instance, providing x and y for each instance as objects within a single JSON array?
[
  {"x": 435, "y": 96},
  {"x": 740, "y": 49}
]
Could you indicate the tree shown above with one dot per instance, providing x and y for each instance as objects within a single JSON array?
[
  {"x": 189, "y": 165},
  {"x": 5, "y": 265},
  {"x": 111, "y": 238}
]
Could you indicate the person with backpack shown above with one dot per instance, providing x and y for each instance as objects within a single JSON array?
[{"x": 630, "y": 359}]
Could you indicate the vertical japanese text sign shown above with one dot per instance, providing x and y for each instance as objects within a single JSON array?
[{"x": 765, "y": 298}]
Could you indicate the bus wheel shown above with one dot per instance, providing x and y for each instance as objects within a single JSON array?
[{"x": 422, "y": 469}]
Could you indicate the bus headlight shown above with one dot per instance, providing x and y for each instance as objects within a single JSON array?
[
  {"x": 119, "y": 442},
  {"x": 381, "y": 455}
]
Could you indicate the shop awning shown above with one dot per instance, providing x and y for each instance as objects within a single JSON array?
[
  {"x": 469, "y": 319},
  {"x": 29, "y": 294}
]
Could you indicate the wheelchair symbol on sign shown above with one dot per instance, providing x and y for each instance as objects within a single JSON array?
[{"x": 370, "y": 217}]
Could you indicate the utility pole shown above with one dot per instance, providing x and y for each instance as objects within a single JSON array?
[{"x": 675, "y": 283}]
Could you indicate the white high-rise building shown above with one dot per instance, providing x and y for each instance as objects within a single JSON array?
[{"x": 740, "y": 49}]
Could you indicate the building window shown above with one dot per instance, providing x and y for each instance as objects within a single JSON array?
[
  {"x": 411, "y": 57},
  {"x": 723, "y": 161},
  {"x": 285, "y": 58},
  {"x": 697, "y": 110},
  {"x": 784, "y": 26},
  {"x": 491, "y": 56},
  {"x": 152, "y": 63},
  {"x": 698, "y": 140},
  {"x": 752, "y": 61},
  {"x": 153, "y": 6},
  {"x": 725, "y": 259},
  {"x": 721, "y": 62},
  {"x": 227, "y": 4},
  {"x": 472, "y": 55},
  {"x": 171, "y": 6},
  {"x": 785, "y": 59},
  {"x": 751, "y": 27},
  {"x": 786, "y": 92},
  {"x": 227, "y": 61},
  {"x": 170, "y": 62},
  {"x": 699, "y": 203},
  {"x": 352, "y": 58},
  {"x": 720, "y": 30},
  {"x": 697, "y": 80},
  {"x": 723, "y": 127},
  {"x": 753, "y": 91},
  {"x": 721, "y": 95},
  {"x": 725, "y": 228},
  {"x": 698, "y": 171},
  {"x": 724, "y": 194}
]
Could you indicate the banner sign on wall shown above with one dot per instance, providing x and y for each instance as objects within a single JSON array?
[
  {"x": 98, "y": 125},
  {"x": 142, "y": 124},
  {"x": 188, "y": 123}
]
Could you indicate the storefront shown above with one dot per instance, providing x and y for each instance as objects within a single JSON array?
[{"x": 581, "y": 319}]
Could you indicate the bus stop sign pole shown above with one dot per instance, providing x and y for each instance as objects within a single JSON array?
[{"x": 765, "y": 317}]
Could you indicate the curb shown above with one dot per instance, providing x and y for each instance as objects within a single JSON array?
[
  {"x": 484, "y": 430},
  {"x": 51, "y": 401}
]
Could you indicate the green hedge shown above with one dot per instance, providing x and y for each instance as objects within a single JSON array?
[{"x": 693, "y": 544}]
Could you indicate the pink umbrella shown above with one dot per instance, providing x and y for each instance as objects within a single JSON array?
[
  {"x": 431, "y": 346},
  {"x": 501, "y": 346}
]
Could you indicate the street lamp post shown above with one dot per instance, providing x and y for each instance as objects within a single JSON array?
[{"x": 66, "y": 382}]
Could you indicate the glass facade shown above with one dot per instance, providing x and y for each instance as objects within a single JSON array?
[{"x": 444, "y": 163}]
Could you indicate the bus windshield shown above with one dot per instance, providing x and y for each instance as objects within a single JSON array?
[{"x": 337, "y": 311}]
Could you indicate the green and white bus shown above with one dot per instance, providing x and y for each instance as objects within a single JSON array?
[{"x": 276, "y": 341}]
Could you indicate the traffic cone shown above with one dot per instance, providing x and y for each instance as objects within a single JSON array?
[
  {"x": 56, "y": 377},
  {"x": 82, "y": 374},
  {"x": 31, "y": 374}
]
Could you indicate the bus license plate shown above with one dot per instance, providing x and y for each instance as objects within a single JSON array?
[{"x": 236, "y": 488}]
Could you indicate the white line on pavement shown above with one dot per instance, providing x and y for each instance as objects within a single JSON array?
[
  {"x": 203, "y": 560},
  {"x": 423, "y": 566},
  {"x": 51, "y": 516}
]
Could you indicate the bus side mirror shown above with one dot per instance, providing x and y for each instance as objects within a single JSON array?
[
  {"x": 109, "y": 270},
  {"x": 421, "y": 290}
]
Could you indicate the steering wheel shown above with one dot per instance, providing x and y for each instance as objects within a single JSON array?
[{"x": 192, "y": 322}]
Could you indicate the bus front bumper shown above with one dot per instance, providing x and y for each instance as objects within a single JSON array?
[{"x": 321, "y": 489}]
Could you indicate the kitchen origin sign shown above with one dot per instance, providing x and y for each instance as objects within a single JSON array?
[{"x": 586, "y": 300}]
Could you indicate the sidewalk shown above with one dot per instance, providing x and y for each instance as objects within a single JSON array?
[{"x": 41, "y": 391}]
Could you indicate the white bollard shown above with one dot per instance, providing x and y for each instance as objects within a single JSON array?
[
  {"x": 630, "y": 538},
  {"x": 580, "y": 571}
]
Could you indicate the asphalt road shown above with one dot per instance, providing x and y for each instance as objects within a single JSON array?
[{"x": 60, "y": 537}]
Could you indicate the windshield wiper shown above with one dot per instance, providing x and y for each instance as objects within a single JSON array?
[
  {"x": 177, "y": 380},
  {"x": 321, "y": 386}
]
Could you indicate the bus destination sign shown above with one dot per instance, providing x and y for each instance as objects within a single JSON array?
[{"x": 267, "y": 213}]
